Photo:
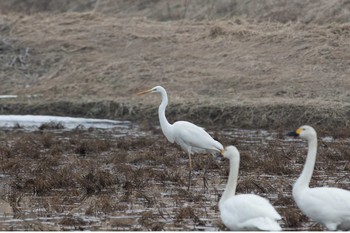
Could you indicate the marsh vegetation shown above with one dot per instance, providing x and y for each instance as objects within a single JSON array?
[{"x": 94, "y": 179}]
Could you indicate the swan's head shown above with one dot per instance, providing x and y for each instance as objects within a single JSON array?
[
  {"x": 230, "y": 152},
  {"x": 153, "y": 90},
  {"x": 304, "y": 132}
]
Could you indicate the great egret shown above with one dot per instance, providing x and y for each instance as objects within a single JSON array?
[
  {"x": 190, "y": 137},
  {"x": 327, "y": 206},
  {"x": 245, "y": 211}
]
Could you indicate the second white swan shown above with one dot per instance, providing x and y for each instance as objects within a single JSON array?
[{"x": 245, "y": 211}]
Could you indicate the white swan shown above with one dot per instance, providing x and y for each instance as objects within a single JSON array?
[
  {"x": 245, "y": 211},
  {"x": 190, "y": 137},
  {"x": 327, "y": 206}
]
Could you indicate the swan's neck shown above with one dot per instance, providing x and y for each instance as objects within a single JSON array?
[
  {"x": 164, "y": 124},
  {"x": 304, "y": 180},
  {"x": 232, "y": 180}
]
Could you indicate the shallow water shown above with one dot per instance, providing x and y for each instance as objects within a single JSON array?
[
  {"x": 32, "y": 122},
  {"x": 160, "y": 203}
]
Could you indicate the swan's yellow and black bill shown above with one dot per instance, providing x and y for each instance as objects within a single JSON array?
[
  {"x": 295, "y": 133},
  {"x": 144, "y": 92}
]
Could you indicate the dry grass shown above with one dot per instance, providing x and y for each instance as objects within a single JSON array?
[
  {"x": 266, "y": 74},
  {"x": 51, "y": 125},
  {"x": 266, "y": 10}
]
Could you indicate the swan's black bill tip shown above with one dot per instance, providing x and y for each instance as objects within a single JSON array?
[{"x": 293, "y": 134}]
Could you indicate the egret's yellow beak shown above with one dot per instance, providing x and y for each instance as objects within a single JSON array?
[
  {"x": 144, "y": 92},
  {"x": 222, "y": 152}
]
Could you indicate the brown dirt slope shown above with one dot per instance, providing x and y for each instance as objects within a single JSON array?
[{"x": 238, "y": 71}]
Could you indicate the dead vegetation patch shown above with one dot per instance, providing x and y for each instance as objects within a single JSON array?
[
  {"x": 51, "y": 125},
  {"x": 150, "y": 222},
  {"x": 95, "y": 181},
  {"x": 187, "y": 213},
  {"x": 120, "y": 175}
]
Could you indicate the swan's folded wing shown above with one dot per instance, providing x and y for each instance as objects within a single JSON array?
[
  {"x": 326, "y": 204},
  {"x": 261, "y": 223},
  {"x": 251, "y": 206}
]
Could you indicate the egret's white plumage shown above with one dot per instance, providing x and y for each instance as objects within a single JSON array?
[
  {"x": 245, "y": 211},
  {"x": 190, "y": 137},
  {"x": 327, "y": 206}
]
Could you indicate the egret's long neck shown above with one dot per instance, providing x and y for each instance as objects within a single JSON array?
[
  {"x": 232, "y": 180},
  {"x": 305, "y": 177},
  {"x": 164, "y": 124}
]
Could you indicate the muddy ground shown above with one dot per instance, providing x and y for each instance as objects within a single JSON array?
[
  {"x": 90, "y": 179},
  {"x": 227, "y": 66}
]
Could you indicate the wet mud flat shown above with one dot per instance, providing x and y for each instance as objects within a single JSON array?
[{"x": 132, "y": 179}]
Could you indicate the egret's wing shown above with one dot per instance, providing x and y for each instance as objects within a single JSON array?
[{"x": 194, "y": 136}]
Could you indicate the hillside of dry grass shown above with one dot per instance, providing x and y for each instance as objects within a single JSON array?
[
  {"x": 283, "y": 11},
  {"x": 241, "y": 71}
]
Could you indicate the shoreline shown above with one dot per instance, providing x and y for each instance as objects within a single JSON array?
[{"x": 266, "y": 116}]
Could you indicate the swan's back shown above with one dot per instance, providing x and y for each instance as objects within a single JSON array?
[
  {"x": 249, "y": 212},
  {"x": 194, "y": 138},
  {"x": 328, "y": 206}
]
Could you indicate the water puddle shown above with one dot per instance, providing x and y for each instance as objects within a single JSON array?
[{"x": 35, "y": 121}]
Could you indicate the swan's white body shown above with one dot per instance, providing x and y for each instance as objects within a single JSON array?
[
  {"x": 245, "y": 211},
  {"x": 327, "y": 206},
  {"x": 191, "y": 138}
]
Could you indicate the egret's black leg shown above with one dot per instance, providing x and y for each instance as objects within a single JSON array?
[
  {"x": 205, "y": 181},
  {"x": 190, "y": 172}
]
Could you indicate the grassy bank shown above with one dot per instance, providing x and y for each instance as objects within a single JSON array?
[{"x": 281, "y": 116}]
